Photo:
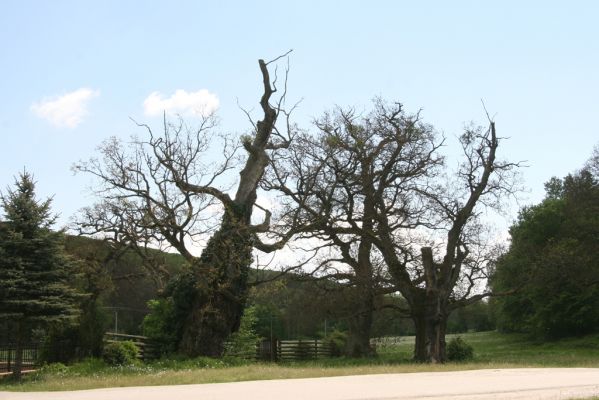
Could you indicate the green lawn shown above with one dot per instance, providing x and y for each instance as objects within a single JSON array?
[
  {"x": 492, "y": 350},
  {"x": 516, "y": 349}
]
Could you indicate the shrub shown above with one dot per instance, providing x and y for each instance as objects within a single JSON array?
[
  {"x": 53, "y": 369},
  {"x": 243, "y": 342},
  {"x": 337, "y": 340},
  {"x": 459, "y": 350},
  {"x": 120, "y": 353},
  {"x": 158, "y": 325},
  {"x": 164, "y": 323}
]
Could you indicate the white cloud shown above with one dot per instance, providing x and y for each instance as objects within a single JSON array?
[
  {"x": 67, "y": 110},
  {"x": 201, "y": 102}
]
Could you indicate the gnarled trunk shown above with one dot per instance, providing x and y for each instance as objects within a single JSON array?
[
  {"x": 221, "y": 290},
  {"x": 435, "y": 329},
  {"x": 430, "y": 322},
  {"x": 221, "y": 272}
]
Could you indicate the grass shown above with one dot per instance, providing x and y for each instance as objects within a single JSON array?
[{"x": 491, "y": 349}]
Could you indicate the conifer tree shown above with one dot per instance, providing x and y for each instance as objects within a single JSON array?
[{"x": 34, "y": 269}]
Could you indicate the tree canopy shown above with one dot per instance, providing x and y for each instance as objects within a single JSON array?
[
  {"x": 553, "y": 260},
  {"x": 371, "y": 188}
]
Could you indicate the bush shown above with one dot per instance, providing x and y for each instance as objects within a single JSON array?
[
  {"x": 53, "y": 369},
  {"x": 459, "y": 350},
  {"x": 120, "y": 353},
  {"x": 337, "y": 340},
  {"x": 164, "y": 323},
  {"x": 243, "y": 342},
  {"x": 157, "y": 325}
]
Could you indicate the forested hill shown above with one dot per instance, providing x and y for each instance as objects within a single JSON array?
[
  {"x": 121, "y": 281},
  {"x": 119, "y": 278}
]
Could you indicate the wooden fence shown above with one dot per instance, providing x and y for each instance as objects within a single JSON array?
[
  {"x": 277, "y": 350},
  {"x": 292, "y": 350},
  {"x": 8, "y": 354},
  {"x": 147, "y": 349}
]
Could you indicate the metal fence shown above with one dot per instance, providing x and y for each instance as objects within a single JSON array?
[{"x": 8, "y": 353}]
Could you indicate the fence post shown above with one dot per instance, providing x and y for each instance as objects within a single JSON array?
[
  {"x": 8, "y": 360},
  {"x": 278, "y": 349}
]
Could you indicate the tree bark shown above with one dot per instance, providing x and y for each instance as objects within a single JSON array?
[
  {"x": 221, "y": 290},
  {"x": 430, "y": 323},
  {"x": 360, "y": 325},
  {"x": 435, "y": 328},
  {"x": 430, "y": 311},
  {"x": 420, "y": 352}
]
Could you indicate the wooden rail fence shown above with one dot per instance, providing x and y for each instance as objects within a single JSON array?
[
  {"x": 147, "y": 349},
  {"x": 292, "y": 350},
  {"x": 278, "y": 350}
]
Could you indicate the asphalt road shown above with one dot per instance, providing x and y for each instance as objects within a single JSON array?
[{"x": 538, "y": 383}]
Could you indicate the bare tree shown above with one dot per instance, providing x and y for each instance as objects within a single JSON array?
[
  {"x": 371, "y": 188},
  {"x": 338, "y": 179},
  {"x": 166, "y": 192},
  {"x": 448, "y": 272}
]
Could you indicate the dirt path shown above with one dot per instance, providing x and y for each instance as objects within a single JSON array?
[{"x": 545, "y": 383}]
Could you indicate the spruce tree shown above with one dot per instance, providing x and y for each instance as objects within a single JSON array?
[{"x": 34, "y": 269}]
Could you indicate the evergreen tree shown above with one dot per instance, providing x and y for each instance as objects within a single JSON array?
[{"x": 34, "y": 268}]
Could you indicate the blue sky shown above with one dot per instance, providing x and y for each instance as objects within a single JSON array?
[{"x": 73, "y": 72}]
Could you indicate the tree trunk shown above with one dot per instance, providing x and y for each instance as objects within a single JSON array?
[
  {"x": 358, "y": 342},
  {"x": 360, "y": 326},
  {"x": 430, "y": 323},
  {"x": 18, "y": 365},
  {"x": 436, "y": 326},
  {"x": 221, "y": 290},
  {"x": 420, "y": 353},
  {"x": 221, "y": 272}
]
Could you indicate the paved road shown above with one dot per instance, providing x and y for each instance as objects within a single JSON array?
[{"x": 546, "y": 383}]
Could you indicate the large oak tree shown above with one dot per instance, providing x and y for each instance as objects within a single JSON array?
[
  {"x": 166, "y": 191},
  {"x": 372, "y": 189}
]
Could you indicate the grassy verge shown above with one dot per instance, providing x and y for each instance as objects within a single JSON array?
[{"x": 492, "y": 350}]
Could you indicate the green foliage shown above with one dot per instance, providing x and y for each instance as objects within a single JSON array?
[
  {"x": 459, "y": 350},
  {"x": 164, "y": 323},
  {"x": 113, "y": 276},
  {"x": 337, "y": 340},
  {"x": 157, "y": 325},
  {"x": 120, "y": 353},
  {"x": 553, "y": 262},
  {"x": 33, "y": 266},
  {"x": 77, "y": 340},
  {"x": 56, "y": 368},
  {"x": 91, "y": 326},
  {"x": 476, "y": 317},
  {"x": 243, "y": 342},
  {"x": 291, "y": 308},
  {"x": 60, "y": 344}
]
